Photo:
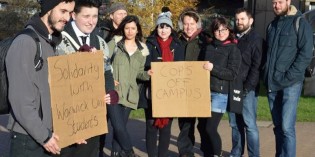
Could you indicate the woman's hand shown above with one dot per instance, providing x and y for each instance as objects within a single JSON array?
[
  {"x": 116, "y": 82},
  {"x": 150, "y": 72},
  {"x": 81, "y": 142},
  {"x": 208, "y": 66}
]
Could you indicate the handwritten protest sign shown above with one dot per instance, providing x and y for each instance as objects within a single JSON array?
[
  {"x": 77, "y": 96},
  {"x": 180, "y": 89}
]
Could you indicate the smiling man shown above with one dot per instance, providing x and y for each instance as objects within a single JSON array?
[
  {"x": 31, "y": 120},
  {"x": 289, "y": 52},
  {"x": 79, "y": 36}
]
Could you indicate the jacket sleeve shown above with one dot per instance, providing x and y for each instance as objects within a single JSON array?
[
  {"x": 23, "y": 92},
  {"x": 231, "y": 71},
  {"x": 305, "y": 51},
  {"x": 252, "y": 78}
]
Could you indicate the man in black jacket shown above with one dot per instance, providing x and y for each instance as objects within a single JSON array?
[{"x": 250, "y": 44}]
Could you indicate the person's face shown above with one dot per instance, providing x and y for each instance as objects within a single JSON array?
[
  {"x": 190, "y": 26},
  {"x": 130, "y": 30},
  {"x": 165, "y": 32},
  {"x": 86, "y": 19},
  {"x": 243, "y": 22},
  {"x": 222, "y": 33},
  {"x": 59, "y": 16},
  {"x": 118, "y": 16},
  {"x": 281, "y": 7}
]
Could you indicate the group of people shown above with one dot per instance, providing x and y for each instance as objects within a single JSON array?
[{"x": 235, "y": 57}]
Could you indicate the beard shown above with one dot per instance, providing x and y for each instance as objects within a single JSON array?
[
  {"x": 242, "y": 27},
  {"x": 53, "y": 23},
  {"x": 282, "y": 12}
]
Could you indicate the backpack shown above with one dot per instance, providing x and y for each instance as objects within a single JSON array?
[{"x": 4, "y": 47}]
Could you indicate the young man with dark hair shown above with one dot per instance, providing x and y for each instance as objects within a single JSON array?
[
  {"x": 78, "y": 35},
  {"x": 31, "y": 119}
]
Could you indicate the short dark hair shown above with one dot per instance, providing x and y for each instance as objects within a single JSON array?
[
  {"x": 162, "y": 25},
  {"x": 86, "y": 3},
  {"x": 217, "y": 22},
  {"x": 124, "y": 22},
  {"x": 241, "y": 10}
]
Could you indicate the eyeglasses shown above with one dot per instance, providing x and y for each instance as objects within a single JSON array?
[{"x": 224, "y": 30}]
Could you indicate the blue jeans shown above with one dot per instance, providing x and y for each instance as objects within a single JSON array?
[
  {"x": 245, "y": 123},
  {"x": 283, "y": 106},
  {"x": 218, "y": 102}
]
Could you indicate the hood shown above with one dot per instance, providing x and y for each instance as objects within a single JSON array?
[
  {"x": 142, "y": 47},
  {"x": 39, "y": 26},
  {"x": 293, "y": 11}
]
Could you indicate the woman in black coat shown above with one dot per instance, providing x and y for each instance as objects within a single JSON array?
[
  {"x": 224, "y": 61},
  {"x": 163, "y": 46}
]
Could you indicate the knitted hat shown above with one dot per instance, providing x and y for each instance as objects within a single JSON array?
[
  {"x": 165, "y": 18},
  {"x": 47, "y": 5},
  {"x": 116, "y": 6}
]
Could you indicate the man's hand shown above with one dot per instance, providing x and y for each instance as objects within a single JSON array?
[
  {"x": 52, "y": 146},
  {"x": 107, "y": 99},
  {"x": 208, "y": 66}
]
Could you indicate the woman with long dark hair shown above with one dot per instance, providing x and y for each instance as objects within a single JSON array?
[
  {"x": 224, "y": 61},
  {"x": 128, "y": 55}
]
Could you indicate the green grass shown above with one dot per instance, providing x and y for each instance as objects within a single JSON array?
[{"x": 305, "y": 113}]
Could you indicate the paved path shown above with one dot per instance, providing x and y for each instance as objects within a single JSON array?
[{"x": 305, "y": 138}]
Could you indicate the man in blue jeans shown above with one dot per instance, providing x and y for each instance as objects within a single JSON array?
[
  {"x": 289, "y": 52},
  {"x": 244, "y": 125}
]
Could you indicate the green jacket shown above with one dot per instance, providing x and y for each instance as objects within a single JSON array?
[{"x": 127, "y": 69}]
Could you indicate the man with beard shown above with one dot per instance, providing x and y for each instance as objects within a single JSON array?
[
  {"x": 30, "y": 118},
  {"x": 289, "y": 52},
  {"x": 244, "y": 125}
]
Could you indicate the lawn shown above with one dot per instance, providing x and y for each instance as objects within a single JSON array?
[{"x": 305, "y": 113}]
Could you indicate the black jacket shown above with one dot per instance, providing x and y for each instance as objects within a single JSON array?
[
  {"x": 105, "y": 29},
  {"x": 226, "y": 59},
  {"x": 251, "y": 47},
  {"x": 156, "y": 56}
]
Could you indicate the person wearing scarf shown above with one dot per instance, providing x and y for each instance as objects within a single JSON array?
[
  {"x": 224, "y": 60},
  {"x": 163, "y": 46}
]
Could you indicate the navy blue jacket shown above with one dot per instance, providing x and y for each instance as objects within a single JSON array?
[
  {"x": 250, "y": 45},
  {"x": 288, "y": 52}
]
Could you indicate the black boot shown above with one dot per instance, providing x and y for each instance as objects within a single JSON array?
[{"x": 128, "y": 154}]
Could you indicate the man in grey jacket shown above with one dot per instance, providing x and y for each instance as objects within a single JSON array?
[{"x": 31, "y": 119}]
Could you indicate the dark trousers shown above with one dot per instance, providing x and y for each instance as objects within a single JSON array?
[
  {"x": 82, "y": 150},
  {"x": 213, "y": 134},
  {"x": 25, "y": 146},
  {"x": 186, "y": 137},
  {"x": 152, "y": 132},
  {"x": 119, "y": 115}
]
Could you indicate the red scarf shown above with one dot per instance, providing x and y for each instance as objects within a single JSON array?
[{"x": 167, "y": 56}]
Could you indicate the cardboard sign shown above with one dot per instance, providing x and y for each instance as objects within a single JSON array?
[
  {"x": 77, "y": 90},
  {"x": 180, "y": 89}
]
